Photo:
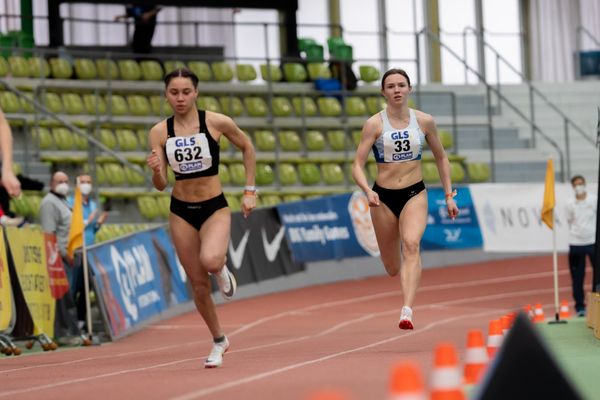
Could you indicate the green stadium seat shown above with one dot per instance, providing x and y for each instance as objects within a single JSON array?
[
  {"x": 19, "y": 67},
  {"x": 148, "y": 207},
  {"x": 63, "y": 138},
  {"x": 85, "y": 68},
  {"x": 129, "y": 70},
  {"x": 224, "y": 144},
  {"x": 138, "y": 105},
  {"x": 318, "y": 70},
  {"x": 270, "y": 200},
  {"x": 372, "y": 171},
  {"x": 233, "y": 202},
  {"x": 356, "y": 137},
  {"x": 142, "y": 138},
  {"x": 208, "y": 103},
  {"x": 288, "y": 198},
  {"x": 332, "y": 174},
  {"x": 126, "y": 139},
  {"x": 164, "y": 205},
  {"x": 287, "y": 174},
  {"x": 457, "y": 172},
  {"x": 375, "y": 104},
  {"x": 172, "y": 65},
  {"x": 355, "y": 106},
  {"x": 42, "y": 137},
  {"x": 304, "y": 43},
  {"x": 224, "y": 174},
  {"x": 256, "y": 106},
  {"x": 446, "y": 138},
  {"x": 39, "y": 67},
  {"x": 21, "y": 206},
  {"x": 270, "y": 73},
  {"x": 151, "y": 70},
  {"x": 115, "y": 174},
  {"x": 315, "y": 53},
  {"x": 309, "y": 173},
  {"x": 61, "y": 68},
  {"x": 334, "y": 42},
  {"x": 81, "y": 142},
  {"x": 478, "y": 172},
  {"x": 281, "y": 106},
  {"x": 329, "y": 106},
  {"x": 265, "y": 140},
  {"x": 264, "y": 174},
  {"x": 34, "y": 201},
  {"x": 117, "y": 105},
  {"x": 201, "y": 69},
  {"x": 160, "y": 106},
  {"x": 107, "y": 69},
  {"x": 289, "y": 140},
  {"x": 53, "y": 103},
  {"x": 368, "y": 73},
  {"x": 294, "y": 72},
  {"x": 237, "y": 172},
  {"x": 72, "y": 103},
  {"x": 133, "y": 178},
  {"x": 9, "y": 102},
  {"x": 94, "y": 104},
  {"x": 245, "y": 72},
  {"x": 4, "y": 67},
  {"x": 107, "y": 138},
  {"x": 343, "y": 53},
  {"x": 337, "y": 140},
  {"x": 222, "y": 71},
  {"x": 27, "y": 106},
  {"x": 170, "y": 176},
  {"x": 231, "y": 105},
  {"x": 304, "y": 106},
  {"x": 315, "y": 141},
  {"x": 430, "y": 172}
]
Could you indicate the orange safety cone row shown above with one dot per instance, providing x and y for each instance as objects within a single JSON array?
[
  {"x": 505, "y": 322},
  {"x": 406, "y": 382},
  {"x": 564, "y": 312},
  {"x": 538, "y": 313},
  {"x": 528, "y": 311},
  {"x": 446, "y": 382},
  {"x": 494, "y": 340},
  {"x": 476, "y": 357}
]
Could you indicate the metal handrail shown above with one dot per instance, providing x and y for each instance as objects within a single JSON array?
[
  {"x": 579, "y": 30},
  {"x": 490, "y": 88}
]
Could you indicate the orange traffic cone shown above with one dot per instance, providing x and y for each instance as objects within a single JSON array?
[
  {"x": 494, "y": 340},
  {"x": 528, "y": 311},
  {"x": 564, "y": 312},
  {"x": 505, "y": 322},
  {"x": 445, "y": 377},
  {"x": 538, "y": 313},
  {"x": 476, "y": 357},
  {"x": 407, "y": 382}
]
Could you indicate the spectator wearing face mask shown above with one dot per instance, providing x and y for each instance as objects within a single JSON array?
[
  {"x": 93, "y": 218},
  {"x": 55, "y": 218},
  {"x": 581, "y": 217}
]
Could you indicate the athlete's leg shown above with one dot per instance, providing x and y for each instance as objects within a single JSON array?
[
  {"x": 413, "y": 220},
  {"x": 385, "y": 225}
]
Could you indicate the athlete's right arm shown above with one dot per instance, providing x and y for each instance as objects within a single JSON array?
[
  {"x": 156, "y": 159},
  {"x": 367, "y": 138}
]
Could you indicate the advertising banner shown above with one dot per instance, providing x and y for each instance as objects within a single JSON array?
[
  {"x": 5, "y": 289},
  {"x": 444, "y": 233},
  {"x": 136, "y": 278},
  {"x": 510, "y": 216},
  {"x": 28, "y": 251},
  {"x": 59, "y": 284},
  {"x": 257, "y": 249}
]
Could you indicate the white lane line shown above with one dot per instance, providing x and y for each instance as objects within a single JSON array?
[
  {"x": 297, "y": 339},
  {"x": 263, "y": 320}
]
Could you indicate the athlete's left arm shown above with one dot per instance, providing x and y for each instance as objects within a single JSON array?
[
  {"x": 240, "y": 140},
  {"x": 429, "y": 128}
]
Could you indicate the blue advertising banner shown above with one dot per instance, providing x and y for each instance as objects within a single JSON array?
[
  {"x": 444, "y": 233},
  {"x": 137, "y": 278},
  {"x": 331, "y": 227}
]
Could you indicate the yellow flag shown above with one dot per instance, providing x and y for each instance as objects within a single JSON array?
[
  {"x": 76, "y": 229},
  {"x": 549, "y": 199}
]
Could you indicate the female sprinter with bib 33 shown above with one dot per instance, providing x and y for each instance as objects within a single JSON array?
[
  {"x": 398, "y": 199},
  {"x": 200, "y": 218}
]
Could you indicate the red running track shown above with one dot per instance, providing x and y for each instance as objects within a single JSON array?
[{"x": 287, "y": 345}]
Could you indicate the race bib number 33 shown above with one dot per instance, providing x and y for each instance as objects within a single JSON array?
[{"x": 400, "y": 146}]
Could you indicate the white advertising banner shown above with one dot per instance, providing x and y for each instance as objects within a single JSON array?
[{"x": 510, "y": 216}]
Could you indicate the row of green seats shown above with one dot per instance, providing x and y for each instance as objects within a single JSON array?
[
  {"x": 286, "y": 173},
  {"x": 111, "y": 231},
  {"x": 61, "y": 138}
]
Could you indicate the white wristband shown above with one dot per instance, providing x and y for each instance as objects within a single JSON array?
[{"x": 250, "y": 188}]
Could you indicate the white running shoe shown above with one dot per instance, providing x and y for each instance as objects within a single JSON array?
[
  {"x": 215, "y": 358},
  {"x": 226, "y": 282},
  {"x": 405, "y": 318}
]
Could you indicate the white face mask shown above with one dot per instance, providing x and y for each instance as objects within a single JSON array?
[
  {"x": 579, "y": 189},
  {"x": 86, "y": 188},
  {"x": 62, "y": 189}
]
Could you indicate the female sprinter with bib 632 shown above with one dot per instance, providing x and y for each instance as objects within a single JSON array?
[
  {"x": 200, "y": 218},
  {"x": 398, "y": 199}
]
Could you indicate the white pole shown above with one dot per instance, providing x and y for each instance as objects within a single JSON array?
[
  {"x": 86, "y": 283},
  {"x": 555, "y": 266}
]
